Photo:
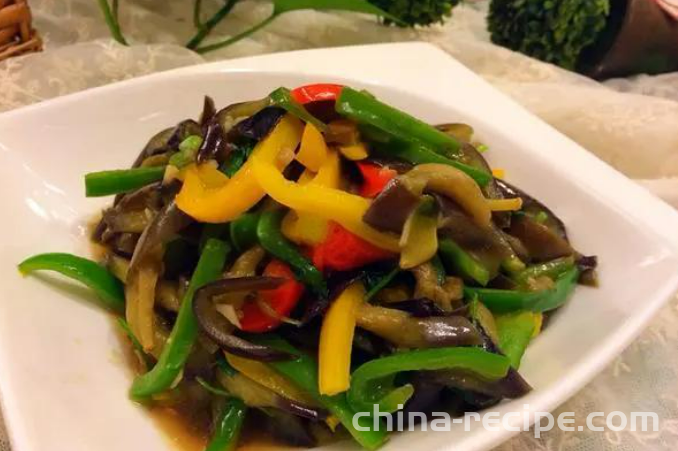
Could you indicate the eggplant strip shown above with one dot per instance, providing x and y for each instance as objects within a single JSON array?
[
  {"x": 256, "y": 395},
  {"x": 219, "y": 329},
  {"x": 144, "y": 271},
  {"x": 403, "y": 330}
]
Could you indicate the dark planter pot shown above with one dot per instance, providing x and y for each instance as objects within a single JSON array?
[{"x": 640, "y": 38}]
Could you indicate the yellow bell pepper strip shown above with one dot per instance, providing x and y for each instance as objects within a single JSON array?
[
  {"x": 499, "y": 173},
  {"x": 505, "y": 204},
  {"x": 336, "y": 341},
  {"x": 307, "y": 228},
  {"x": 264, "y": 375},
  {"x": 313, "y": 150},
  {"x": 331, "y": 204},
  {"x": 354, "y": 152},
  {"x": 538, "y": 324},
  {"x": 240, "y": 193},
  {"x": 419, "y": 241}
]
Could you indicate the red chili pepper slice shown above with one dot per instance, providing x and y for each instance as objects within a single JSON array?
[
  {"x": 343, "y": 251},
  {"x": 282, "y": 300},
  {"x": 375, "y": 178},
  {"x": 316, "y": 92}
]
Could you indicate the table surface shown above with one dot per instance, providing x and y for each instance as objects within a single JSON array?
[{"x": 630, "y": 123}]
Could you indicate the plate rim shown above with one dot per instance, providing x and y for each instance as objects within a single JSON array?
[{"x": 284, "y": 62}]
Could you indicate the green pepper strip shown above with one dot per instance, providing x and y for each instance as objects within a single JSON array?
[
  {"x": 553, "y": 269},
  {"x": 502, "y": 301},
  {"x": 244, "y": 231},
  {"x": 417, "y": 154},
  {"x": 224, "y": 366},
  {"x": 185, "y": 330},
  {"x": 381, "y": 283},
  {"x": 187, "y": 150},
  {"x": 282, "y": 97},
  {"x": 303, "y": 371},
  {"x": 239, "y": 154},
  {"x": 462, "y": 262},
  {"x": 211, "y": 388},
  {"x": 441, "y": 274},
  {"x": 365, "y": 109},
  {"x": 372, "y": 382},
  {"x": 228, "y": 426},
  {"x": 272, "y": 239},
  {"x": 213, "y": 231},
  {"x": 105, "y": 183},
  {"x": 107, "y": 287},
  {"x": 515, "y": 332}
]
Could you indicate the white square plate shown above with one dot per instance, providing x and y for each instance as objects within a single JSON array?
[{"x": 64, "y": 386}]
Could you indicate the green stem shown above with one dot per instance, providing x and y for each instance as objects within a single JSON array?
[
  {"x": 212, "y": 22},
  {"x": 197, "y": 6},
  {"x": 237, "y": 37},
  {"x": 112, "y": 22}
]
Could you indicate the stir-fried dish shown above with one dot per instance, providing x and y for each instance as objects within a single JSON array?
[{"x": 288, "y": 262}]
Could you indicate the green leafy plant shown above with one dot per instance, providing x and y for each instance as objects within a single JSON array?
[
  {"x": 555, "y": 31},
  {"x": 405, "y": 13},
  {"x": 417, "y": 12}
]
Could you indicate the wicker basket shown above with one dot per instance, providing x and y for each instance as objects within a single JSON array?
[{"x": 16, "y": 34}]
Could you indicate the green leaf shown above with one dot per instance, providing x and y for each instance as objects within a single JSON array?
[{"x": 358, "y": 6}]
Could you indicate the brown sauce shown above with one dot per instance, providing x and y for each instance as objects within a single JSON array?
[{"x": 181, "y": 436}]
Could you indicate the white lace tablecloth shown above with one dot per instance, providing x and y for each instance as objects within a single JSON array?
[{"x": 630, "y": 123}]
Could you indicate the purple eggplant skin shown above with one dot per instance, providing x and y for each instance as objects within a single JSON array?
[
  {"x": 337, "y": 282},
  {"x": 533, "y": 206},
  {"x": 486, "y": 245},
  {"x": 167, "y": 140},
  {"x": 426, "y": 397},
  {"x": 217, "y": 327},
  {"x": 368, "y": 346},
  {"x": 541, "y": 242},
  {"x": 260, "y": 124},
  {"x": 151, "y": 197},
  {"x": 287, "y": 428},
  {"x": 301, "y": 410},
  {"x": 449, "y": 331},
  {"x": 166, "y": 224},
  {"x": 587, "y": 270},
  {"x": 512, "y": 386},
  {"x": 419, "y": 308},
  {"x": 209, "y": 111},
  {"x": 213, "y": 144},
  {"x": 391, "y": 208},
  {"x": 182, "y": 131}
]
